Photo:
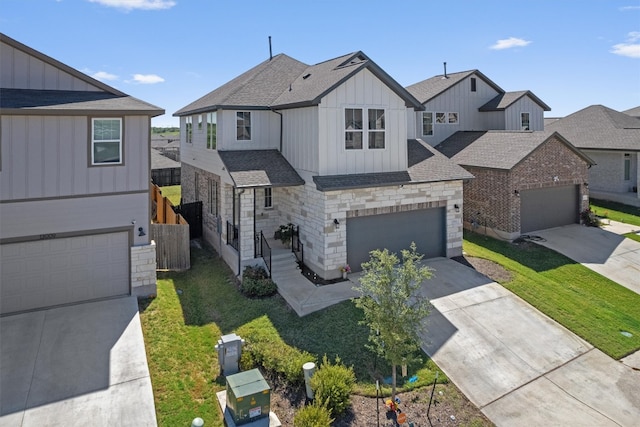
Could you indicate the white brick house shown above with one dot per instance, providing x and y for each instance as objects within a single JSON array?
[{"x": 325, "y": 148}]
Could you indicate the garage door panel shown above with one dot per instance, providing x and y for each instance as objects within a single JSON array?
[
  {"x": 66, "y": 270},
  {"x": 550, "y": 207}
]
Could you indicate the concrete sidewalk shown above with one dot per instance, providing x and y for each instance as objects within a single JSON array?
[{"x": 77, "y": 365}]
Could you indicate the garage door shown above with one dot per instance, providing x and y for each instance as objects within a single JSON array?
[
  {"x": 548, "y": 207},
  {"x": 396, "y": 231},
  {"x": 46, "y": 273}
]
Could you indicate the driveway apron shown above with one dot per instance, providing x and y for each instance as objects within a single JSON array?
[
  {"x": 77, "y": 365},
  {"x": 516, "y": 364}
]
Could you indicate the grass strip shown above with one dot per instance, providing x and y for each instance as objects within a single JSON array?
[{"x": 616, "y": 211}]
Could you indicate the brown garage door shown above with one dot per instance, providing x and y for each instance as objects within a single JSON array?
[
  {"x": 548, "y": 207},
  {"x": 46, "y": 273}
]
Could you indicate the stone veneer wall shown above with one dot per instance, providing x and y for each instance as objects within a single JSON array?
[
  {"x": 490, "y": 197},
  {"x": 143, "y": 270}
]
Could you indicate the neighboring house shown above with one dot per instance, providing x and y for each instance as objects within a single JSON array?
[
  {"x": 612, "y": 140},
  {"x": 74, "y": 185},
  {"x": 470, "y": 101},
  {"x": 634, "y": 112},
  {"x": 325, "y": 148},
  {"x": 164, "y": 170},
  {"x": 524, "y": 181},
  {"x": 169, "y": 146}
]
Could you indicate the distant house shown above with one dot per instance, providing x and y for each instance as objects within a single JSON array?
[
  {"x": 164, "y": 170},
  {"x": 634, "y": 112},
  {"x": 525, "y": 179},
  {"x": 74, "y": 185},
  {"x": 612, "y": 140},
  {"x": 322, "y": 147}
]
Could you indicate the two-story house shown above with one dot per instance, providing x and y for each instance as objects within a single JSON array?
[
  {"x": 325, "y": 148},
  {"x": 74, "y": 185},
  {"x": 526, "y": 179}
]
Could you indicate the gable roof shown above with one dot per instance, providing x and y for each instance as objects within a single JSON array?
[
  {"x": 635, "y": 112},
  {"x": 600, "y": 128},
  {"x": 428, "y": 89},
  {"x": 259, "y": 168},
  {"x": 425, "y": 165},
  {"x": 504, "y": 100},
  {"x": 497, "y": 149},
  {"x": 284, "y": 82},
  {"x": 158, "y": 161}
]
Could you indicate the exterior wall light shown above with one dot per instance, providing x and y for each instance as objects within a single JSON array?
[
  {"x": 517, "y": 193},
  {"x": 456, "y": 207},
  {"x": 336, "y": 222},
  {"x": 141, "y": 232}
]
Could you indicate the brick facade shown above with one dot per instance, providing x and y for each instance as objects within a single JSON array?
[{"x": 143, "y": 270}]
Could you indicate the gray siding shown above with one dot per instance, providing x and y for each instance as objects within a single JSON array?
[
  {"x": 523, "y": 105},
  {"x": 608, "y": 172},
  {"x": 300, "y": 144},
  {"x": 19, "y": 70},
  {"x": 48, "y": 156}
]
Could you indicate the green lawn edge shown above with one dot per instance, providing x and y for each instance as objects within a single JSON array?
[{"x": 616, "y": 211}]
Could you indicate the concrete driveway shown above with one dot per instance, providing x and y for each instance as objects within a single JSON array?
[
  {"x": 78, "y": 365},
  {"x": 517, "y": 365},
  {"x": 603, "y": 251}
]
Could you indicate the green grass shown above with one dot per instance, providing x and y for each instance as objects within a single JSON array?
[
  {"x": 173, "y": 193},
  {"x": 181, "y": 329},
  {"x": 592, "y": 306},
  {"x": 616, "y": 211},
  {"x": 632, "y": 236}
]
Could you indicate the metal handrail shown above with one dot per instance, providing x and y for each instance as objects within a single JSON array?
[
  {"x": 232, "y": 235},
  {"x": 265, "y": 252}
]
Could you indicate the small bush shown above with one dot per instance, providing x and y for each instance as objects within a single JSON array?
[
  {"x": 313, "y": 416},
  {"x": 265, "y": 348},
  {"x": 589, "y": 218},
  {"x": 256, "y": 283},
  {"x": 333, "y": 383}
]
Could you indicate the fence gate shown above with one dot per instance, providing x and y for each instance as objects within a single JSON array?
[{"x": 192, "y": 213}]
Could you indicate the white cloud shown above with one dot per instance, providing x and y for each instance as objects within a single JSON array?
[
  {"x": 103, "y": 75},
  {"x": 630, "y": 47},
  {"x": 630, "y": 8},
  {"x": 137, "y": 4},
  {"x": 509, "y": 43},
  {"x": 147, "y": 79}
]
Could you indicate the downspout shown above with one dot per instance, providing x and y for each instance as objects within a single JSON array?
[
  {"x": 280, "y": 114},
  {"x": 240, "y": 192},
  {"x": 254, "y": 222}
]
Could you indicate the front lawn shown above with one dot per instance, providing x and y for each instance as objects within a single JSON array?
[
  {"x": 592, "y": 306},
  {"x": 616, "y": 211},
  {"x": 194, "y": 308}
]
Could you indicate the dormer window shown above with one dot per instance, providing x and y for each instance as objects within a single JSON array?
[
  {"x": 473, "y": 84},
  {"x": 524, "y": 121}
]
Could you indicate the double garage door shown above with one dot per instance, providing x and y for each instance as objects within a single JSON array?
[
  {"x": 55, "y": 271},
  {"x": 548, "y": 207},
  {"x": 396, "y": 231}
]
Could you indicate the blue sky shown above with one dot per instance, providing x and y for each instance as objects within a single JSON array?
[{"x": 571, "y": 54}]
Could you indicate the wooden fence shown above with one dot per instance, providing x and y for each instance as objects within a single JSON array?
[{"x": 171, "y": 234}]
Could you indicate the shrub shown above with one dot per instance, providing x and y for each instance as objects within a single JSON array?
[
  {"x": 313, "y": 416},
  {"x": 589, "y": 218},
  {"x": 333, "y": 383},
  {"x": 265, "y": 348},
  {"x": 256, "y": 283}
]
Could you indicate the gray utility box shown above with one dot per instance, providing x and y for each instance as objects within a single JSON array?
[
  {"x": 248, "y": 397},
  {"x": 229, "y": 350}
]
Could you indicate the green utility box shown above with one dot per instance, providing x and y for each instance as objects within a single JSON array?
[{"x": 248, "y": 396}]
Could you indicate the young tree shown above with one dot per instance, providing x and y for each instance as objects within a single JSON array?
[{"x": 393, "y": 306}]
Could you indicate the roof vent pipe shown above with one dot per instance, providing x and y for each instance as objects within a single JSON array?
[
  {"x": 270, "y": 52},
  {"x": 445, "y": 71}
]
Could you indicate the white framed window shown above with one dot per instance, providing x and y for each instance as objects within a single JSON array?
[
  {"x": 453, "y": 118},
  {"x": 524, "y": 121},
  {"x": 268, "y": 198},
  {"x": 353, "y": 128},
  {"x": 243, "y": 126},
  {"x": 427, "y": 123},
  {"x": 627, "y": 166},
  {"x": 212, "y": 189},
  {"x": 106, "y": 141},
  {"x": 447, "y": 118},
  {"x": 188, "y": 129},
  {"x": 441, "y": 118},
  {"x": 376, "y": 128},
  {"x": 212, "y": 129}
]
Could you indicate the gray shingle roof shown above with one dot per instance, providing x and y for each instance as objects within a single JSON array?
[
  {"x": 428, "y": 89},
  {"x": 60, "y": 101},
  {"x": 425, "y": 165},
  {"x": 284, "y": 82},
  {"x": 504, "y": 100},
  {"x": 259, "y": 168},
  {"x": 158, "y": 161},
  {"x": 599, "y": 127},
  {"x": 635, "y": 112},
  {"x": 497, "y": 149}
]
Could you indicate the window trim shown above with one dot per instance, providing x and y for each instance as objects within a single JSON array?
[
  {"x": 90, "y": 153},
  {"x": 626, "y": 168},
  {"x": 373, "y": 131},
  {"x": 212, "y": 143},
  {"x": 474, "y": 86},
  {"x": 365, "y": 131},
  {"x": 353, "y": 131},
  {"x": 446, "y": 118},
  {"x": 522, "y": 114},
  {"x": 268, "y": 198},
  {"x": 432, "y": 114},
  {"x": 245, "y": 126},
  {"x": 188, "y": 129}
]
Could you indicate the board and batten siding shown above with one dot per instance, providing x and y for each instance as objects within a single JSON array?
[
  {"x": 363, "y": 90},
  {"x": 18, "y": 70},
  {"x": 300, "y": 138},
  {"x": 524, "y": 105},
  {"x": 265, "y": 131},
  {"x": 48, "y": 156},
  {"x": 457, "y": 99}
]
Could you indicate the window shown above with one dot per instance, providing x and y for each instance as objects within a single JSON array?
[
  {"x": 213, "y": 197},
  {"x": 212, "y": 130},
  {"x": 427, "y": 123},
  {"x": 524, "y": 121},
  {"x": 627, "y": 166},
  {"x": 453, "y": 118},
  {"x": 188, "y": 129},
  {"x": 376, "y": 128},
  {"x": 268, "y": 198},
  {"x": 473, "y": 84},
  {"x": 353, "y": 128},
  {"x": 441, "y": 117},
  {"x": 106, "y": 141},
  {"x": 200, "y": 121},
  {"x": 447, "y": 118},
  {"x": 243, "y": 126}
]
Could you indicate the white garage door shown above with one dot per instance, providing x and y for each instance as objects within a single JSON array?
[{"x": 58, "y": 271}]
